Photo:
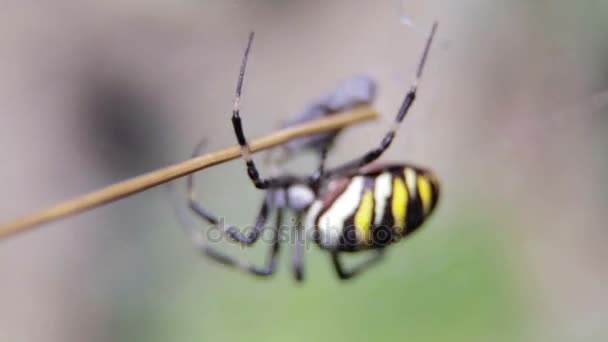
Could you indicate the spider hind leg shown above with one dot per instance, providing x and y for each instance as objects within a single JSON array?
[{"x": 345, "y": 274}]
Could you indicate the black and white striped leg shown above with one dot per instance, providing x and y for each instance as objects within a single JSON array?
[
  {"x": 388, "y": 137},
  {"x": 229, "y": 230},
  {"x": 347, "y": 274},
  {"x": 271, "y": 262},
  {"x": 252, "y": 170}
]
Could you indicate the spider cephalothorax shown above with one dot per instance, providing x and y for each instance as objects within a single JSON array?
[{"x": 356, "y": 206}]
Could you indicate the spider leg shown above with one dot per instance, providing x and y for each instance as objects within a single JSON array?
[
  {"x": 347, "y": 274},
  {"x": 298, "y": 253},
  {"x": 315, "y": 181},
  {"x": 229, "y": 230},
  {"x": 375, "y": 153},
  {"x": 227, "y": 260},
  {"x": 252, "y": 170}
]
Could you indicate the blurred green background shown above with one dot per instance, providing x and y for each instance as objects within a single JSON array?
[{"x": 511, "y": 114}]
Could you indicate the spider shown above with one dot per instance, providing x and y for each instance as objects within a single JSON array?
[{"x": 356, "y": 206}]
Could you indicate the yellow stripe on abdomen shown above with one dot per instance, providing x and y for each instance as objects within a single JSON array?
[
  {"x": 364, "y": 215},
  {"x": 399, "y": 204},
  {"x": 426, "y": 193}
]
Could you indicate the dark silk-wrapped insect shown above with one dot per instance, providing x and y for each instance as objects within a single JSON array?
[{"x": 348, "y": 94}]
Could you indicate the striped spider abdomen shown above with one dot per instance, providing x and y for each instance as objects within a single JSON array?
[{"x": 373, "y": 208}]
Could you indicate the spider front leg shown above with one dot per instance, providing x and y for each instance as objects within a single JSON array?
[
  {"x": 252, "y": 170},
  {"x": 347, "y": 274},
  {"x": 231, "y": 231},
  {"x": 263, "y": 271},
  {"x": 234, "y": 233},
  {"x": 390, "y": 135}
]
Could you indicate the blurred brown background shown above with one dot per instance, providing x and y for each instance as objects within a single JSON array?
[{"x": 511, "y": 114}]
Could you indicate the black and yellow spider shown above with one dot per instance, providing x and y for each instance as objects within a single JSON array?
[{"x": 356, "y": 206}]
